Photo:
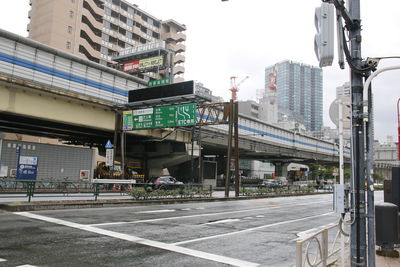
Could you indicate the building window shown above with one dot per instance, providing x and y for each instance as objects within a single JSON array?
[
  {"x": 69, "y": 29},
  {"x": 71, "y": 14},
  {"x": 68, "y": 45}
]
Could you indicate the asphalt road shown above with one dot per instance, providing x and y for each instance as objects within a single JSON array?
[{"x": 242, "y": 233}]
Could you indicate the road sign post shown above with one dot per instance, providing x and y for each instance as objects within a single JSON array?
[{"x": 109, "y": 154}]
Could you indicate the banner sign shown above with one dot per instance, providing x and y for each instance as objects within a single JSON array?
[{"x": 143, "y": 64}]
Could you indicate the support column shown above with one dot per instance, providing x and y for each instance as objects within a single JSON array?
[{"x": 281, "y": 169}]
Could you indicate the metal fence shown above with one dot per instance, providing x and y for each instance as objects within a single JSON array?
[
  {"x": 258, "y": 189},
  {"x": 322, "y": 247},
  {"x": 98, "y": 186}
]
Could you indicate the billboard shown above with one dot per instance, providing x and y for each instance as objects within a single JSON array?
[{"x": 142, "y": 64}]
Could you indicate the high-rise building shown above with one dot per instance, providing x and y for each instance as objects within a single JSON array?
[
  {"x": 298, "y": 92},
  {"x": 99, "y": 29}
]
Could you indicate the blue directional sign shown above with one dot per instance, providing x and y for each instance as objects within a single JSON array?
[{"x": 27, "y": 168}]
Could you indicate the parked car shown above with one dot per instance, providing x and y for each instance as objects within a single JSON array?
[
  {"x": 270, "y": 183},
  {"x": 165, "y": 182},
  {"x": 282, "y": 179}
]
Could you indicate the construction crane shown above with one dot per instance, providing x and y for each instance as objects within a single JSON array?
[{"x": 235, "y": 86}]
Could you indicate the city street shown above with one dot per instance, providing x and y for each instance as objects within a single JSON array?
[{"x": 242, "y": 233}]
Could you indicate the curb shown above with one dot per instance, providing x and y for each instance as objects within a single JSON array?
[{"x": 79, "y": 204}]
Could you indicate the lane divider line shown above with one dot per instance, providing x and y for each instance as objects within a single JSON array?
[
  {"x": 142, "y": 241},
  {"x": 2, "y": 260},
  {"x": 206, "y": 214},
  {"x": 223, "y": 221},
  {"x": 250, "y": 229},
  {"x": 154, "y": 211}
]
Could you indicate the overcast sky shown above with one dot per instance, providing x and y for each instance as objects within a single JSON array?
[{"x": 241, "y": 37}]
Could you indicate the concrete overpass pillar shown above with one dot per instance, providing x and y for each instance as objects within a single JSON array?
[{"x": 281, "y": 169}]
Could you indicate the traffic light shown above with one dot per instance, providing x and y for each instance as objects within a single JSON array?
[{"x": 324, "y": 39}]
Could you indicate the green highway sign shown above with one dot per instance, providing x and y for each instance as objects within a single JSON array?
[
  {"x": 154, "y": 83},
  {"x": 186, "y": 114},
  {"x": 142, "y": 118},
  {"x": 160, "y": 117},
  {"x": 165, "y": 116}
]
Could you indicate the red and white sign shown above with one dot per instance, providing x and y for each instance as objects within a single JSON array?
[{"x": 131, "y": 65}]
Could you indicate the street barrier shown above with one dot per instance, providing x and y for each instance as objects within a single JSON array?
[{"x": 321, "y": 246}]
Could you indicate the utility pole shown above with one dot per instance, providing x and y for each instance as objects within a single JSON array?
[
  {"x": 229, "y": 152},
  {"x": 358, "y": 228},
  {"x": 236, "y": 141}
]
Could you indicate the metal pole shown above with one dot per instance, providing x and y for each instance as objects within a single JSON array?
[
  {"x": 341, "y": 173},
  {"x": 358, "y": 228},
  {"x": 200, "y": 159},
  {"x": 370, "y": 181},
  {"x": 122, "y": 155},
  {"x": 116, "y": 131},
  {"x": 367, "y": 92},
  {"x": 236, "y": 128},
  {"x": 398, "y": 130},
  {"x": 228, "y": 157},
  {"x": 191, "y": 157},
  {"x": 341, "y": 155}
]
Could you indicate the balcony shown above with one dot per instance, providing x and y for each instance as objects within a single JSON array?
[
  {"x": 179, "y": 70},
  {"x": 174, "y": 37},
  {"x": 179, "y": 59},
  {"x": 178, "y": 48}
]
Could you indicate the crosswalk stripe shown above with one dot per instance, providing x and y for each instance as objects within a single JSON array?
[{"x": 143, "y": 241}]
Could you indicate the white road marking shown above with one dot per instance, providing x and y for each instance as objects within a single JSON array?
[
  {"x": 250, "y": 229},
  {"x": 201, "y": 208},
  {"x": 142, "y": 241},
  {"x": 260, "y": 216},
  {"x": 26, "y": 265},
  {"x": 187, "y": 209},
  {"x": 155, "y": 211},
  {"x": 206, "y": 214},
  {"x": 248, "y": 218},
  {"x": 2, "y": 260},
  {"x": 223, "y": 221}
]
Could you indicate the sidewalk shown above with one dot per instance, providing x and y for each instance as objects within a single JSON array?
[{"x": 380, "y": 261}]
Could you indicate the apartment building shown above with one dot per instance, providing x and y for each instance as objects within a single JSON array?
[{"x": 99, "y": 29}]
